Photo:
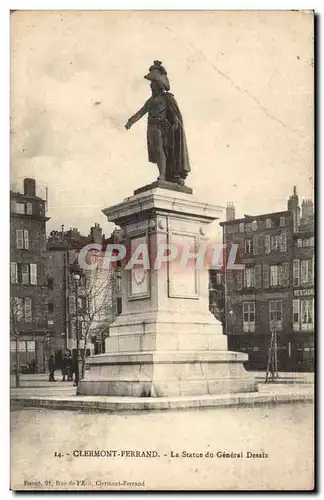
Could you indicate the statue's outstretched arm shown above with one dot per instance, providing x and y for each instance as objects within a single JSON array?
[{"x": 133, "y": 119}]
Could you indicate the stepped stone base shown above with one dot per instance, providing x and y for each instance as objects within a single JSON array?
[{"x": 169, "y": 373}]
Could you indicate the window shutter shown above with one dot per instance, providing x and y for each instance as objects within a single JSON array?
[
  {"x": 26, "y": 239},
  {"x": 13, "y": 272},
  {"x": 255, "y": 245},
  {"x": 285, "y": 274},
  {"x": 28, "y": 310},
  {"x": 267, "y": 243},
  {"x": 283, "y": 242},
  {"x": 313, "y": 269},
  {"x": 261, "y": 244},
  {"x": 265, "y": 276},
  {"x": 29, "y": 208},
  {"x": 239, "y": 279},
  {"x": 257, "y": 276},
  {"x": 33, "y": 274},
  {"x": 20, "y": 238}
]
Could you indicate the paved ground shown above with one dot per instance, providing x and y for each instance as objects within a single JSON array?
[
  {"x": 46, "y": 449},
  {"x": 37, "y": 391}
]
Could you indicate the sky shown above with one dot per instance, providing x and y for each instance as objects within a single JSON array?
[{"x": 243, "y": 82}]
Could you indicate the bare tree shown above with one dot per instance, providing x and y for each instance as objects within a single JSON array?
[{"x": 95, "y": 306}]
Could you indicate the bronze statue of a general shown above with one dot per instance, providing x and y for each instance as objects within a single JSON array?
[{"x": 166, "y": 140}]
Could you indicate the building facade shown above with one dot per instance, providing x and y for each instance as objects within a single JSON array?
[
  {"x": 275, "y": 287},
  {"x": 29, "y": 327}
]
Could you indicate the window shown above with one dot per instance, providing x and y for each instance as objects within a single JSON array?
[
  {"x": 296, "y": 272},
  {"x": 268, "y": 223},
  {"x": 274, "y": 276},
  {"x": 275, "y": 242},
  {"x": 13, "y": 272},
  {"x": 306, "y": 271},
  {"x": 248, "y": 246},
  {"x": 24, "y": 269},
  {"x": 296, "y": 318},
  {"x": 279, "y": 275},
  {"x": 248, "y": 316},
  {"x": 241, "y": 227},
  {"x": 17, "y": 309},
  {"x": 254, "y": 225},
  {"x": 275, "y": 314},
  {"x": 22, "y": 239},
  {"x": 303, "y": 314},
  {"x": 219, "y": 279},
  {"x": 50, "y": 283},
  {"x": 283, "y": 242},
  {"x": 19, "y": 238},
  {"x": 267, "y": 243},
  {"x": 20, "y": 208},
  {"x": 50, "y": 307},
  {"x": 282, "y": 221},
  {"x": 22, "y": 309},
  {"x": 299, "y": 243},
  {"x": 312, "y": 241},
  {"x": 249, "y": 277},
  {"x": 239, "y": 280},
  {"x": 248, "y": 227},
  {"x": 25, "y": 273},
  {"x": 82, "y": 303},
  {"x": 71, "y": 304}
]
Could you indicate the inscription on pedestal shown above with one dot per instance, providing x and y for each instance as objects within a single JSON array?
[{"x": 183, "y": 276}]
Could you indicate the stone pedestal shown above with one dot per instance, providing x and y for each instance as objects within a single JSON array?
[{"x": 166, "y": 342}]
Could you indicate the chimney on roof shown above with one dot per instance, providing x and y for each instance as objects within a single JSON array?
[
  {"x": 96, "y": 234},
  {"x": 293, "y": 205},
  {"x": 230, "y": 211},
  {"x": 307, "y": 208},
  {"x": 29, "y": 187}
]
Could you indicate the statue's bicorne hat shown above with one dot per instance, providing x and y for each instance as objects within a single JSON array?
[{"x": 157, "y": 73}]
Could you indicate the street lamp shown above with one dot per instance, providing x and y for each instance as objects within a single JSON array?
[{"x": 76, "y": 278}]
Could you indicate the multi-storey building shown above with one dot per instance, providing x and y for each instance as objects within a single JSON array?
[
  {"x": 29, "y": 328},
  {"x": 262, "y": 296},
  {"x": 303, "y": 287}
]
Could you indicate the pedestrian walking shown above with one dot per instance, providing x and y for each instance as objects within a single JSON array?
[
  {"x": 70, "y": 368},
  {"x": 65, "y": 367},
  {"x": 51, "y": 368}
]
